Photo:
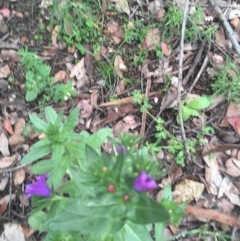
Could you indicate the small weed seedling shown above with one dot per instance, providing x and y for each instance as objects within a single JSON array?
[
  {"x": 39, "y": 80},
  {"x": 141, "y": 100},
  {"x": 227, "y": 81},
  {"x": 78, "y": 22},
  {"x": 193, "y": 107}
]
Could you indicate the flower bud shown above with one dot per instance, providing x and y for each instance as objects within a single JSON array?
[
  {"x": 111, "y": 188},
  {"x": 126, "y": 197}
]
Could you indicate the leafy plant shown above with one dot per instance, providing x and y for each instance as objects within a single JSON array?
[
  {"x": 227, "y": 81},
  {"x": 83, "y": 193},
  {"x": 78, "y": 22},
  {"x": 192, "y": 107},
  {"x": 142, "y": 100},
  {"x": 39, "y": 80}
]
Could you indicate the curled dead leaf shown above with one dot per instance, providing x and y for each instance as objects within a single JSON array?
[
  {"x": 19, "y": 126},
  {"x": 7, "y": 125},
  {"x": 5, "y": 71},
  {"x": 16, "y": 139},
  {"x": 59, "y": 76},
  {"x": 122, "y": 6},
  {"x": 13, "y": 232},
  {"x": 4, "y": 145},
  {"x": 3, "y": 181},
  {"x": 165, "y": 49},
  {"x": 85, "y": 108},
  {"x": 7, "y": 161},
  {"x": 119, "y": 66},
  {"x": 19, "y": 176},
  {"x": 233, "y": 116},
  {"x": 152, "y": 39},
  {"x": 233, "y": 167},
  {"x": 4, "y": 202},
  {"x": 188, "y": 190},
  {"x": 115, "y": 32}
]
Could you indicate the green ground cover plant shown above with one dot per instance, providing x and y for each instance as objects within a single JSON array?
[
  {"x": 39, "y": 82},
  {"x": 193, "y": 107},
  {"x": 83, "y": 193},
  {"x": 79, "y": 22},
  {"x": 227, "y": 81}
]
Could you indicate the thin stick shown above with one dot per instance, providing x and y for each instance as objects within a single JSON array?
[
  {"x": 213, "y": 215},
  {"x": 144, "y": 114},
  {"x": 229, "y": 31},
  {"x": 14, "y": 168},
  {"x": 180, "y": 74},
  {"x": 205, "y": 62},
  {"x": 195, "y": 62}
]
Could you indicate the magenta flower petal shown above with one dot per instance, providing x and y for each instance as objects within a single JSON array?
[
  {"x": 144, "y": 182},
  {"x": 38, "y": 187},
  {"x": 120, "y": 149}
]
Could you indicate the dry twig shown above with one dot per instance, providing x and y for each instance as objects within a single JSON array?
[
  {"x": 144, "y": 114},
  {"x": 229, "y": 31},
  {"x": 193, "y": 66},
  {"x": 205, "y": 62},
  {"x": 213, "y": 215},
  {"x": 180, "y": 74}
]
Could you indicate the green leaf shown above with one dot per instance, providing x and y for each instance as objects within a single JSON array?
[
  {"x": 133, "y": 232},
  {"x": 167, "y": 193},
  {"x": 88, "y": 216},
  {"x": 146, "y": 211},
  {"x": 177, "y": 211},
  {"x": 185, "y": 113},
  {"x": 31, "y": 95},
  {"x": 38, "y": 123},
  {"x": 37, "y": 220},
  {"x": 51, "y": 115},
  {"x": 90, "y": 154},
  {"x": 159, "y": 231},
  {"x": 37, "y": 151},
  {"x": 44, "y": 166},
  {"x": 200, "y": 103},
  {"x": 99, "y": 137}
]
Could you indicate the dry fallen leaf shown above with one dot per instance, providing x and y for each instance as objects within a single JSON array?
[
  {"x": 5, "y": 72},
  {"x": 13, "y": 232},
  {"x": 227, "y": 188},
  {"x": 188, "y": 190},
  {"x": 85, "y": 108},
  {"x": 7, "y": 125},
  {"x": 5, "y": 12},
  {"x": 59, "y": 76},
  {"x": 122, "y": 6},
  {"x": 4, "y": 202},
  {"x": 19, "y": 176},
  {"x": 165, "y": 49},
  {"x": 4, "y": 145},
  {"x": 115, "y": 32},
  {"x": 123, "y": 126},
  {"x": 7, "y": 161},
  {"x": 233, "y": 116},
  {"x": 79, "y": 71},
  {"x": 212, "y": 173},
  {"x": 152, "y": 39},
  {"x": 19, "y": 126},
  {"x": 3, "y": 181},
  {"x": 232, "y": 167},
  {"x": 119, "y": 66},
  {"x": 16, "y": 139}
]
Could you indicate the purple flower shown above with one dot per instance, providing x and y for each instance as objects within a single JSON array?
[
  {"x": 144, "y": 182},
  {"x": 38, "y": 187},
  {"x": 120, "y": 149}
]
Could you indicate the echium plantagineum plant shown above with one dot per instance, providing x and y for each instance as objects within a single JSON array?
[{"x": 83, "y": 193}]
